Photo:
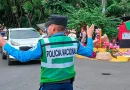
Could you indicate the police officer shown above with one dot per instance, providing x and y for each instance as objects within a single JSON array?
[{"x": 57, "y": 54}]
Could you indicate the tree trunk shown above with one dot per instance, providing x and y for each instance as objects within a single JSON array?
[
  {"x": 104, "y": 6},
  {"x": 41, "y": 11},
  {"x": 10, "y": 11},
  {"x": 29, "y": 20},
  {"x": 18, "y": 21}
]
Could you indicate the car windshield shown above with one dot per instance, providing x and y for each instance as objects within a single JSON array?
[{"x": 24, "y": 34}]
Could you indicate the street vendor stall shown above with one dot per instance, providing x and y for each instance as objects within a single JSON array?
[
  {"x": 124, "y": 35},
  {"x": 109, "y": 51}
]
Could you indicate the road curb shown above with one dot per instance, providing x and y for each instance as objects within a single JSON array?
[{"x": 118, "y": 59}]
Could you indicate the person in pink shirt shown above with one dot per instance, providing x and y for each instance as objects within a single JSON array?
[{"x": 83, "y": 35}]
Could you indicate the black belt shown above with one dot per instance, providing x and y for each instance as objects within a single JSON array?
[{"x": 58, "y": 82}]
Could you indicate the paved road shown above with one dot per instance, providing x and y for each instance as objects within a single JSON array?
[{"x": 89, "y": 76}]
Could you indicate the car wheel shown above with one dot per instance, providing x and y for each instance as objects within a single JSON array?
[
  {"x": 9, "y": 60},
  {"x": 4, "y": 57}
]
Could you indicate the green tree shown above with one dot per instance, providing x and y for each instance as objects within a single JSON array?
[
  {"x": 118, "y": 8},
  {"x": 84, "y": 17},
  {"x": 26, "y": 13}
]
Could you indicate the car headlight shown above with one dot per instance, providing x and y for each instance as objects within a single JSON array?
[{"x": 15, "y": 43}]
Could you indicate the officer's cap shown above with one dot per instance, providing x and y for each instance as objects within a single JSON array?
[{"x": 57, "y": 19}]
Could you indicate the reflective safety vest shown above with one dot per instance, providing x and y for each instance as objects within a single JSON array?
[{"x": 57, "y": 61}]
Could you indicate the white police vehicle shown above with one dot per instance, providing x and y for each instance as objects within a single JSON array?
[{"x": 22, "y": 39}]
